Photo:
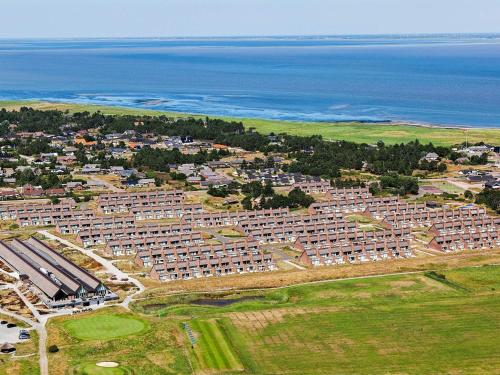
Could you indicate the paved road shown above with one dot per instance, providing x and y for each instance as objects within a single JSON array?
[
  {"x": 294, "y": 265},
  {"x": 108, "y": 184},
  {"x": 108, "y": 265},
  {"x": 42, "y": 319},
  {"x": 39, "y": 326}
]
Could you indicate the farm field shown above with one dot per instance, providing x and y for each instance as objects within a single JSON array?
[{"x": 351, "y": 131}]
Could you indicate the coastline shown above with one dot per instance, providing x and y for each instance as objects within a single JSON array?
[{"x": 356, "y": 131}]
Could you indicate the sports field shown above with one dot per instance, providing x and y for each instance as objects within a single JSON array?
[
  {"x": 401, "y": 324},
  {"x": 104, "y": 327},
  {"x": 443, "y": 322},
  {"x": 92, "y": 369},
  {"x": 213, "y": 351},
  {"x": 356, "y": 132},
  {"x": 140, "y": 345}
]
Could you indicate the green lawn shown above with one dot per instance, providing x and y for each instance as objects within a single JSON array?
[
  {"x": 143, "y": 345},
  {"x": 212, "y": 351},
  {"x": 448, "y": 187},
  {"x": 404, "y": 324},
  {"x": 104, "y": 327},
  {"x": 92, "y": 369},
  {"x": 357, "y": 132},
  {"x": 444, "y": 323}
]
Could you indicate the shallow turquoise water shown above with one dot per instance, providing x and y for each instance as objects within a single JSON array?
[{"x": 441, "y": 80}]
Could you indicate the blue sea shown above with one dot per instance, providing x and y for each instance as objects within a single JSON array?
[{"x": 444, "y": 79}]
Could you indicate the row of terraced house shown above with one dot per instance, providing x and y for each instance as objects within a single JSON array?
[{"x": 324, "y": 235}]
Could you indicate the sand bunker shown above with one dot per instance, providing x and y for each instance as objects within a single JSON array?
[{"x": 107, "y": 364}]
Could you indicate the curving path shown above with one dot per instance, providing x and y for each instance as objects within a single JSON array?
[
  {"x": 108, "y": 265},
  {"x": 40, "y": 325}
]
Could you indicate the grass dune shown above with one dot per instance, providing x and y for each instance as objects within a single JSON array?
[{"x": 350, "y": 131}]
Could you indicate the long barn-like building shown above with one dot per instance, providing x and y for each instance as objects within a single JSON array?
[{"x": 57, "y": 281}]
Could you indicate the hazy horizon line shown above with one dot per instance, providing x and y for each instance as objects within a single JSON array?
[{"x": 276, "y": 36}]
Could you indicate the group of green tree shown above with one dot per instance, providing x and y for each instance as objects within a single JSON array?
[
  {"x": 223, "y": 191},
  {"x": 44, "y": 179},
  {"x": 312, "y": 155},
  {"x": 395, "y": 184},
  {"x": 262, "y": 196},
  {"x": 489, "y": 197},
  {"x": 159, "y": 159},
  {"x": 432, "y": 166}
]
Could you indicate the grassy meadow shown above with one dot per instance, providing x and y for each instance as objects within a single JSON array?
[
  {"x": 351, "y": 131},
  {"x": 397, "y": 324},
  {"x": 444, "y": 322},
  {"x": 104, "y": 327},
  {"x": 140, "y": 345}
]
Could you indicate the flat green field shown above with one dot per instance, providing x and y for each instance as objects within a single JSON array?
[
  {"x": 144, "y": 346},
  {"x": 357, "y": 132},
  {"x": 420, "y": 323},
  {"x": 405, "y": 324},
  {"x": 92, "y": 369},
  {"x": 213, "y": 351},
  {"x": 104, "y": 327}
]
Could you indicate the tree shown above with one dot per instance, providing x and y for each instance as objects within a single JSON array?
[
  {"x": 479, "y": 160},
  {"x": 247, "y": 203},
  {"x": 489, "y": 197},
  {"x": 268, "y": 190},
  {"x": 177, "y": 176},
  {"x": 55, "y": 200},
  {"x": 158, "y": 181},
  {"x": 132, "y": 179},
  {"x": 298, "y": 197},
  {"x": 81, "y": 156},
  {"x": 442, "y": 167},
  {"x": 468, "y": 194},
  {"x": 218, "y": 192},
  {"x": 397, "y": 184},
  {"x": 374, "y": 188},
  {"x": 253, "y": 189}
]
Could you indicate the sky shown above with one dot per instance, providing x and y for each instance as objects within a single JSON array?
[{"x": 170, "y": 18}]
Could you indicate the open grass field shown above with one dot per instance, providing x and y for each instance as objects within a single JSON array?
[
  {"x": 104, "y": 327},
  {"x": 445, "y": 322},
  {"x": 357, "y": 132},
  {"x": 448, "y": 187},
  {"x": 213, "y": 351},
  {"x": 159, "y": 349},
  {"x": 92, "y": 369},
  {"x": 403, "y": 324}
]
